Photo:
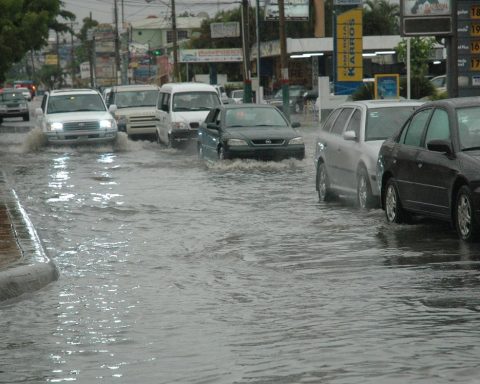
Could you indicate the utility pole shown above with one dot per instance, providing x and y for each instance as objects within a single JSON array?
[
  {"x": 117, "y": 45},
  {"x": 247, "y": 82},
  {"x": 283, "y": 58},
  {"x": 257, "y": 28},
  {"x": 176, "y": 73},
  {"x": 72, "y": 61}
]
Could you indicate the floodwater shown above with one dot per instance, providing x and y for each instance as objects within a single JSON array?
[{"x": 179, "y": 271}]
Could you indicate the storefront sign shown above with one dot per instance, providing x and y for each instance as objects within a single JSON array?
[{"x": 349, "y": 46}]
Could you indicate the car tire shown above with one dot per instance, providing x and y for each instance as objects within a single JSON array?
[
  {"x": 157, "y": 138},
  {"x": 393, "y": 206},
  {"x": 170, "y": 143},
  {"x": 365, "y": 199},
  {"x": 323, "y": 184},
  {"x": 466, "y": 222},
  {"x": 26, "y": 117}
]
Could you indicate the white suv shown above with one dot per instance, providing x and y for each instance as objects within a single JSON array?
[{"x": 71, "y": 116}]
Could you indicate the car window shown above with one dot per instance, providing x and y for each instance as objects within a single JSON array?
[
  {"x": 413, "y": 133},
  {"x": 354, "y": 123},
  {"x": 339, "y": 124},
  {"x": 438, "y": 128},
  {"x": 330, "y": 120},
  {"x": 469, "y": 127},
  {"x": 383, "y": 123},
  {"x": 75, "y": 103},
  {"x": 195, "y": 101},
  {"x": 134, "y": 99}
]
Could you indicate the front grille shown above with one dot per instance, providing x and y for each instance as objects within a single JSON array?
[
  {"x": 13, "y": 105},
  {"x": 194, "y": 125},
  {"x": 268, "y": 142},
  {"x": 81, "y": 125},
  {"x": 141, "y": 119}
]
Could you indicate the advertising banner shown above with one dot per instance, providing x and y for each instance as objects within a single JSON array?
[
  {"x": 221, "y": 55},
  {"x": 387, "y": 86},
  {"x": 349, "y": 46},
  {"x": 422, "y": 8},
  {"x": 230, "y": 29},
  {"x": 293, "y": 9}
]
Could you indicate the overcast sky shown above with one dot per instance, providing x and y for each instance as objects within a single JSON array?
[{"x": 102, "y": 10}]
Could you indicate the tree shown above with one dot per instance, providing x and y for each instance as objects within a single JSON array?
[
  {"x": 24, "y": 26},
  {"x": 380, "y": 17},
  {"x": 420, "y": 51}
]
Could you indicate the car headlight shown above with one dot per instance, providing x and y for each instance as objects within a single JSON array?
[
  {"x": 179, "y": 125},
  {"x": 296, "y": 140},
  {"x": 106, "y": 123},
  {"x": 236, "y": 142},
  {"x": 56, "y": 126}
]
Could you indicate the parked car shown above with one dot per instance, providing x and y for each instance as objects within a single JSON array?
[
  {"x": 347, "y": 147},
  {"x": 440, "y": 83},
  {"x": 432, "y": 166},
  {"x": 74, "y": 116},
  {"x": 237, "y": 96},
  {"x": 13, "y": 104},
  {"x": 255, "y": 131},
  {"x": 180, "y": 110},
  {"x": 295, "y": 101},
  {"x": 134, "y": 108}
]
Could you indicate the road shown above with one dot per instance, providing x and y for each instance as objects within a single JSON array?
[{"x": 178, "y": 271}]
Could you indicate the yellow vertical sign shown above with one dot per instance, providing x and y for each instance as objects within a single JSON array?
[{"x": 349, "y": 41}]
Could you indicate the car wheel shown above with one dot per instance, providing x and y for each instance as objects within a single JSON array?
[
  {"x": 323, "y": 184},
  {"x": 393, "y": 207},
  {"x": 157, "y": 138},
  {"x": 464, "y": 215},
  {"x": 170, "y": 143},
  {"x": 364, "y": 190}
]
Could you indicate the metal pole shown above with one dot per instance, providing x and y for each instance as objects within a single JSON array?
[
  {"x": 283, "y": 58},
  {"x": 176, "y": 74},
  {"x": 117, "y": 45},
  {"x": 258, "y": 42},
  {"x": 409, "y": 89}
]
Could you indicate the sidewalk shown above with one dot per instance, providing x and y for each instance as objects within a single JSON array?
[{"x": 24, "y": 266}]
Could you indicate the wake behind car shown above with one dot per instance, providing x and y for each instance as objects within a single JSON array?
[
  {"x": 13, "y": 104},
  {"x": 348, "y": 144},
  {"x": 432, "y": 166},
  {"x": 255, "y": 131},
  {"x": 73, "y": 116}
]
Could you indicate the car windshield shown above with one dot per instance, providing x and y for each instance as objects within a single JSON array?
[
  {"x": 469, "y": 127},
  {"x": 254, "y": 117},
  {"x": 195, "y": 101},
  {"x": 12, "y": 96},
  {"x": 383, "y": 123},
  {"x": 75, "y": 103},
  {"x": 132, "y": 99},
  {"x": 237, "y": 94}
]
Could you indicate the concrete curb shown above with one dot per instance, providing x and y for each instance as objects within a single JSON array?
[{"x": 33, "y": 270}]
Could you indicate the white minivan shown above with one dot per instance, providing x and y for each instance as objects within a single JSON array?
[{"x": 181, "y": 108}]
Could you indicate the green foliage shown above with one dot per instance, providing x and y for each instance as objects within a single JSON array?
[
  {"x": 420, "y": 50},
  {"x": 49, "y": 76},
  {"x": 420, "y": 87},
  {"x": 24, "y": 25},
  {"x": 380, "y": 17}
]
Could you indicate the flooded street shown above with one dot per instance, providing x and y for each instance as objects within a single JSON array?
[{"x": 173, "y": 270}]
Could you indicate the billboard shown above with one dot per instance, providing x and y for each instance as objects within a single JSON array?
[
  {"x": 419, "y": 8},
  {"x": 349, "y": 46},
  {"x": 387, "y": 86},
  {"x": 230, "y": 29},
  {"x": 293, "y": 9},
  {"x": 426, "y": 17},
  {"x": 220, "y": 55}
]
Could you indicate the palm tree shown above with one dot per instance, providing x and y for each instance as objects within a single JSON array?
[{"x": 381, "y": 18}]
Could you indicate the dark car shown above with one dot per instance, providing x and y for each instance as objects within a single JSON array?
[
  {"x": 432, "y": 166},
  {"x": 13, "y": 104},
  {"x": 295, "y": 101},
  {"x": 255, "y": 131}
]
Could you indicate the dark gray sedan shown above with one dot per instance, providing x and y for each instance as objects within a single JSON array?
[{"x": 249, "y": 131}]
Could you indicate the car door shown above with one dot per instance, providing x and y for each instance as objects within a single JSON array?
[
  {"x": 348, "y": 153},
  {"x": 209, "y": 138},
  {"x": 162, "y": 115},
  {"x": 435, "y": 171},
  {"x": 334, "y": 149},
  {"x": 405, "y": 158}
]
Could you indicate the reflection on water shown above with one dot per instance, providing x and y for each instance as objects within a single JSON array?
[{"x": 175, "y": 270}]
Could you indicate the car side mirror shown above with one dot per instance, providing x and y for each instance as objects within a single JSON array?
[
  {"x": 350, "y": 135},
  {"x": 444, "y": 146},
  {"x": 112, "y": 108},
  {"x": 38, "y": 111},
  {"x": 296, "y": 124},
  {"x": 212, "y": 126}
]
